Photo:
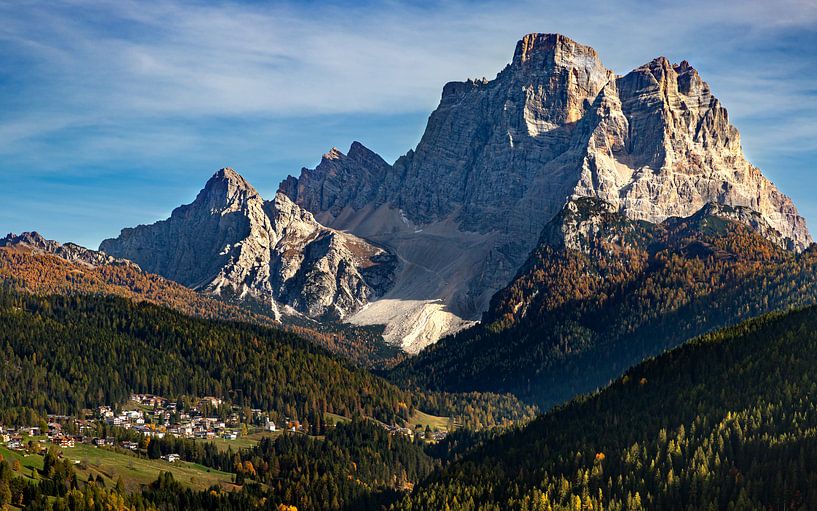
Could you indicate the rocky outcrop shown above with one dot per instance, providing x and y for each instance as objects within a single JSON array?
[
  {"x": 500, "y": 158},
  {"x": 586, "y": 223},
  {"x": 232, "y": 243}
]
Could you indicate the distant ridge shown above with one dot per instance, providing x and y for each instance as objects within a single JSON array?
[{"x": 35, "y": 264}]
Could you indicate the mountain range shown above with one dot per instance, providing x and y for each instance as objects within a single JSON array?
[
  {"x": 422, "y": 245},
  {"x": 562, "y": 238},
  {"x": 232, "y": 243}
]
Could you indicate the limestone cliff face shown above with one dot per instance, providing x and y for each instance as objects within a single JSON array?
[
  {"x": 500, "y": 158},
  {"x": 231, "y": 242},
  {"x": 661, "y": 146}
]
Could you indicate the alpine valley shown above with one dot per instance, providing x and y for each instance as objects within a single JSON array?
[{"x": 574, "y": 293}]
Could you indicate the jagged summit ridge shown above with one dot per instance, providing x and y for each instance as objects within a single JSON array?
[
  {"x": 500, "y": 158},
  {"x": 273, "y": 255},
  {"x": 226, "y": 190},
  {"x": 339, "y": 180}
]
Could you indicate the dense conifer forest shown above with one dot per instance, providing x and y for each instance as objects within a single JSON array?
[
  {"x": 43, "y": 273},
  {"x": 726, "y": 421},
  {"x": 63, "y": 354}
]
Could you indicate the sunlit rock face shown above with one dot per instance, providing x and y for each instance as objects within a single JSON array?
[
  {"x": 232, "y": 243},
  {"x": 661, "y": 145},
  {"x": 500, "y": 158}
]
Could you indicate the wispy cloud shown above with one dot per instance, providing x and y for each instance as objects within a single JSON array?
[
  {"x": 173, "y": 56},
  {"x": 171, "y": 85}
]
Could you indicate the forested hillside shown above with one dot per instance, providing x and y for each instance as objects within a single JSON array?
[
  {"x": 64, "y": 354},
  {"x": 61, "y": 354},
  {"x": 37, "y": 271},
  {"x": 579, "y": 314},
  {"x": 42, "y": 273},
  {"x": 726, "y": 421},
  {"x": 356, "y": 466}
]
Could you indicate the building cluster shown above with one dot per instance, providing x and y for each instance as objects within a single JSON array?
[
  {"x": 150, "y": 415},
  {"x": 12, "y": 438},
  {"x": 155, "y": 416},
  {"x": 396, "y": 430},
  {"x": 15, "y": 438},
  {"x": 399, "y": 431}
]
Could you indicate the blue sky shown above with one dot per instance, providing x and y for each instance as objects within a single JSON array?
[{"x": 112, "y": 113}]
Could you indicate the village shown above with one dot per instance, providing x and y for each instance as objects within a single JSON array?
[{"x": 151, "y": 416}]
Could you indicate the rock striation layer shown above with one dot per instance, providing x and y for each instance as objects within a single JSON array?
[
  {"x": 500, "y": 158},
  {"x": 232, "y": 243}
]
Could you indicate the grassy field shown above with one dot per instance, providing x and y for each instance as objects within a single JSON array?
[
  {"x": 257, "y": 436},
  {"x": 333, "y": 418},
  {"x": 419, "y": 418},
  {"x": 138, "y": 471},
  {"x": 245, "y": 442},
  {"x": 133, "y": 470},
  {"x": 27, "y": 462},
  {"x": 235, "y": 445},
  {"x": 423, "y": 419}
]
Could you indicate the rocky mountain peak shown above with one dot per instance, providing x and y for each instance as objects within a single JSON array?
[
  {"x": 500, "y": 158},
  {"x": 333, "y": 154},
  {"x": 358, "y": 151},
  {"x": 340, "y": 180},
  {"x": 226, "y": 190},
  {"x": 553, "y": 48},
  {"x": 676, "y": 79},
  {"x": 273, "y": 255},
  {"x": 229, "y": 177},
  {"x": 558, "y": 76}
]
